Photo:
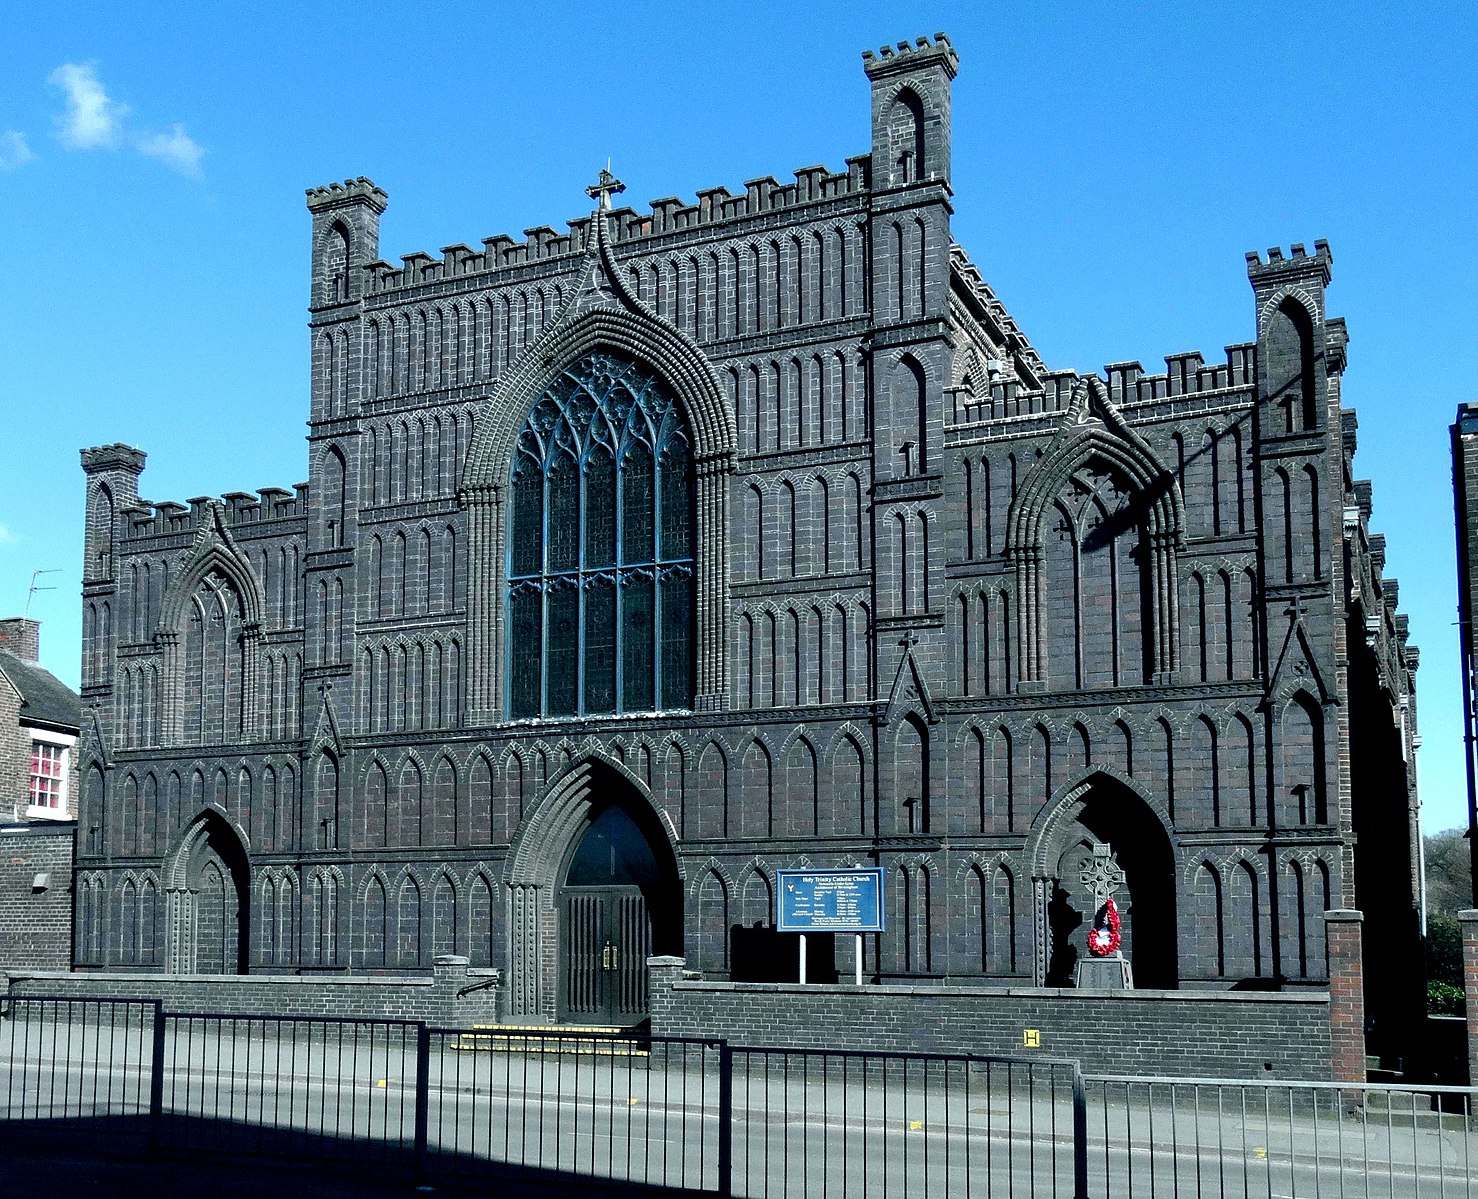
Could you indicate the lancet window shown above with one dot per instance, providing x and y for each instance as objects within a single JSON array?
[{"x": 600, "y": 559}]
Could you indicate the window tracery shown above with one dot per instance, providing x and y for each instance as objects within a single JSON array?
[{"x": 600, "y": 563}]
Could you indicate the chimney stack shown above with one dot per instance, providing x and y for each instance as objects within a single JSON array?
[{"x": 21, "y": 637}]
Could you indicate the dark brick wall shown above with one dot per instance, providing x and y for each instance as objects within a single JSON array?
[
  {"x": 36, "y": 926},
  {"x": 1181, "y": 1033},
  {"x": 434, "y": 999}
]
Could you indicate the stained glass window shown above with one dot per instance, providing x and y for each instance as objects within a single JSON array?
[{"x": 600, "y": 566}]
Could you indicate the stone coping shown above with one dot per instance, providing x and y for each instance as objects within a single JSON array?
[
  {"x": 989, "y": 993},
  {"x": 154, "y": 978}
]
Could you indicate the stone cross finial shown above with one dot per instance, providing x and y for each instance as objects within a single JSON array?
[
  {"x": 1101, "y": 873},
  {"x": 604, "y": 188}
]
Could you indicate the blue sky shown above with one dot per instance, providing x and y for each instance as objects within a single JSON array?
[{"x": 1111, "y": 166}]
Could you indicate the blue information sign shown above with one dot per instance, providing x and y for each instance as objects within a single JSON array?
[{"x": 830, "y": 901}]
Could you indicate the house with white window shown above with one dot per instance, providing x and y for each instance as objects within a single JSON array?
[{"x": 39, "y": 720}]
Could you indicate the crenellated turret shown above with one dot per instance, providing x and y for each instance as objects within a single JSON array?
[
  {"x": 910, "y": 111},
  {"x": 346, "y": 237}
]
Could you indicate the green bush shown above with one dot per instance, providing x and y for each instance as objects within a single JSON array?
[
  {"x": 1444, "y": 999},
  {"x": 1445, "y": 950}
]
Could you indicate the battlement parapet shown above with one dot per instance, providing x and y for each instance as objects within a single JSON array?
[
  {"x": 342, "y": 195},
  {"x": 1336, "y": 344},
  {"x": 1298, "y": 265},
  {"x": 1349, "y": 427},
  {"x": 669, "y": 214},
  {"x": 148, "y": 518},
  {"x": 1001, "y": 324},
  {"x": 923, "y": 52},
  {"x": 113, "y": 457},
  {"x": 1185, "y": 374},
  {"x": 1364, "y": 493}
]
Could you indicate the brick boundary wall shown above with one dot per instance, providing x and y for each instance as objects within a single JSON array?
[
  {"x": 36, "y": 922},
  {"x": 442, "y": 999},
  {"x": 1223, "y": 1034},
  {"x": 1346, "y": 995},
  {"x": 1468, "y": 922}
]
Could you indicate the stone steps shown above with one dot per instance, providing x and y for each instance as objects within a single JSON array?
[{"x": 577, "y": 1040}]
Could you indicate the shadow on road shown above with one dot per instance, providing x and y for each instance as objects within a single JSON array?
[{"x": 111, "y": 1158}]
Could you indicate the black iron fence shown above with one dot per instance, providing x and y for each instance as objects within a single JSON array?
[
  {"x": 575, "y": 1109},
  {"x": 1198, "y": 1136}
]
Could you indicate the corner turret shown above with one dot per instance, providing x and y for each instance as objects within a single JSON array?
[
  {"x": 346, "y": 236},
  {"x": 910, "y": 111},
  {"x": 112, "y": 486},
  {"x": 1293, "y": 389}
]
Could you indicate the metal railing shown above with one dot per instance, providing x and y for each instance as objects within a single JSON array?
[
  {"x": 1194, "y": 1136},
  {"x": 284, "y": 1085},
  {"x": 525, "y": 1103},
  {"x": 828, "y": 1122},
  {"x": 579, "y": 1107},
  {"x": 72, "y": 1061}
]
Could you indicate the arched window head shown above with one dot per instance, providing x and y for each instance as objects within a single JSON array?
[
  {"x": 600, "y": 558},
  {"x": 906, "y": 124},
  {"x": 1288, "y": 346},
  {"x": 336, "y": 264}
]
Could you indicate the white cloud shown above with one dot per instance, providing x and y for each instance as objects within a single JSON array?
[
  {"x": 6, "y": 536},
  {"x": 91, "y": 121},
  {"x": 14, "y": 152},
  {"x": 175, "y": 149}
]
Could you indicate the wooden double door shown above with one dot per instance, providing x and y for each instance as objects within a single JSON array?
[{"x": 606, "y": 937}]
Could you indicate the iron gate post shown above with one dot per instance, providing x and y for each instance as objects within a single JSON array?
[
  {"x": 423, "y": 1096},
  {"x": 156, "y": 1081},
  {"x": 1080, "y": 1133},
  {"x": 725, "y": 1119}
]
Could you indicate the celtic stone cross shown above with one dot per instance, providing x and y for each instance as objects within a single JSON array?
[{"x": 1101, "y": 873}]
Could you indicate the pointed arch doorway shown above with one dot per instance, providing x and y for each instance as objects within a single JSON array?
[
  {"x": 1109, "y": 810},
  {"x": 606, "y": 922},
  {"x": 207, "y": 893},
  {"x": 594, "y": 888}
]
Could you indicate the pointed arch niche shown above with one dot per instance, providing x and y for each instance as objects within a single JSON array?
[
  {"x": 209, "y": 633},
  {"x": 488, "y": 483},
  {"x": 207, "y": 893},
  {"x": 1097, "y": 519},
  {"x": 1103, "y": 808}
]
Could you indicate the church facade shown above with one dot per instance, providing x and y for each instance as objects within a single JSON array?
[{"x": 639, "y": 561}]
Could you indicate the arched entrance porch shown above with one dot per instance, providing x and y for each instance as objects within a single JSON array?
[
  {"x": 1104, "y": 808},
  {"x": 594, "y": 886}
]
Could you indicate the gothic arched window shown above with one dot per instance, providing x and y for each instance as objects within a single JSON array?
[{"x": 600, "y": 561}]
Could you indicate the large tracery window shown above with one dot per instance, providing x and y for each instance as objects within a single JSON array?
[{"x": 600, "y": 562}]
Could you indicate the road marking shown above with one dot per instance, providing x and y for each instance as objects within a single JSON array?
[{"x": 915, "y": 1125}]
